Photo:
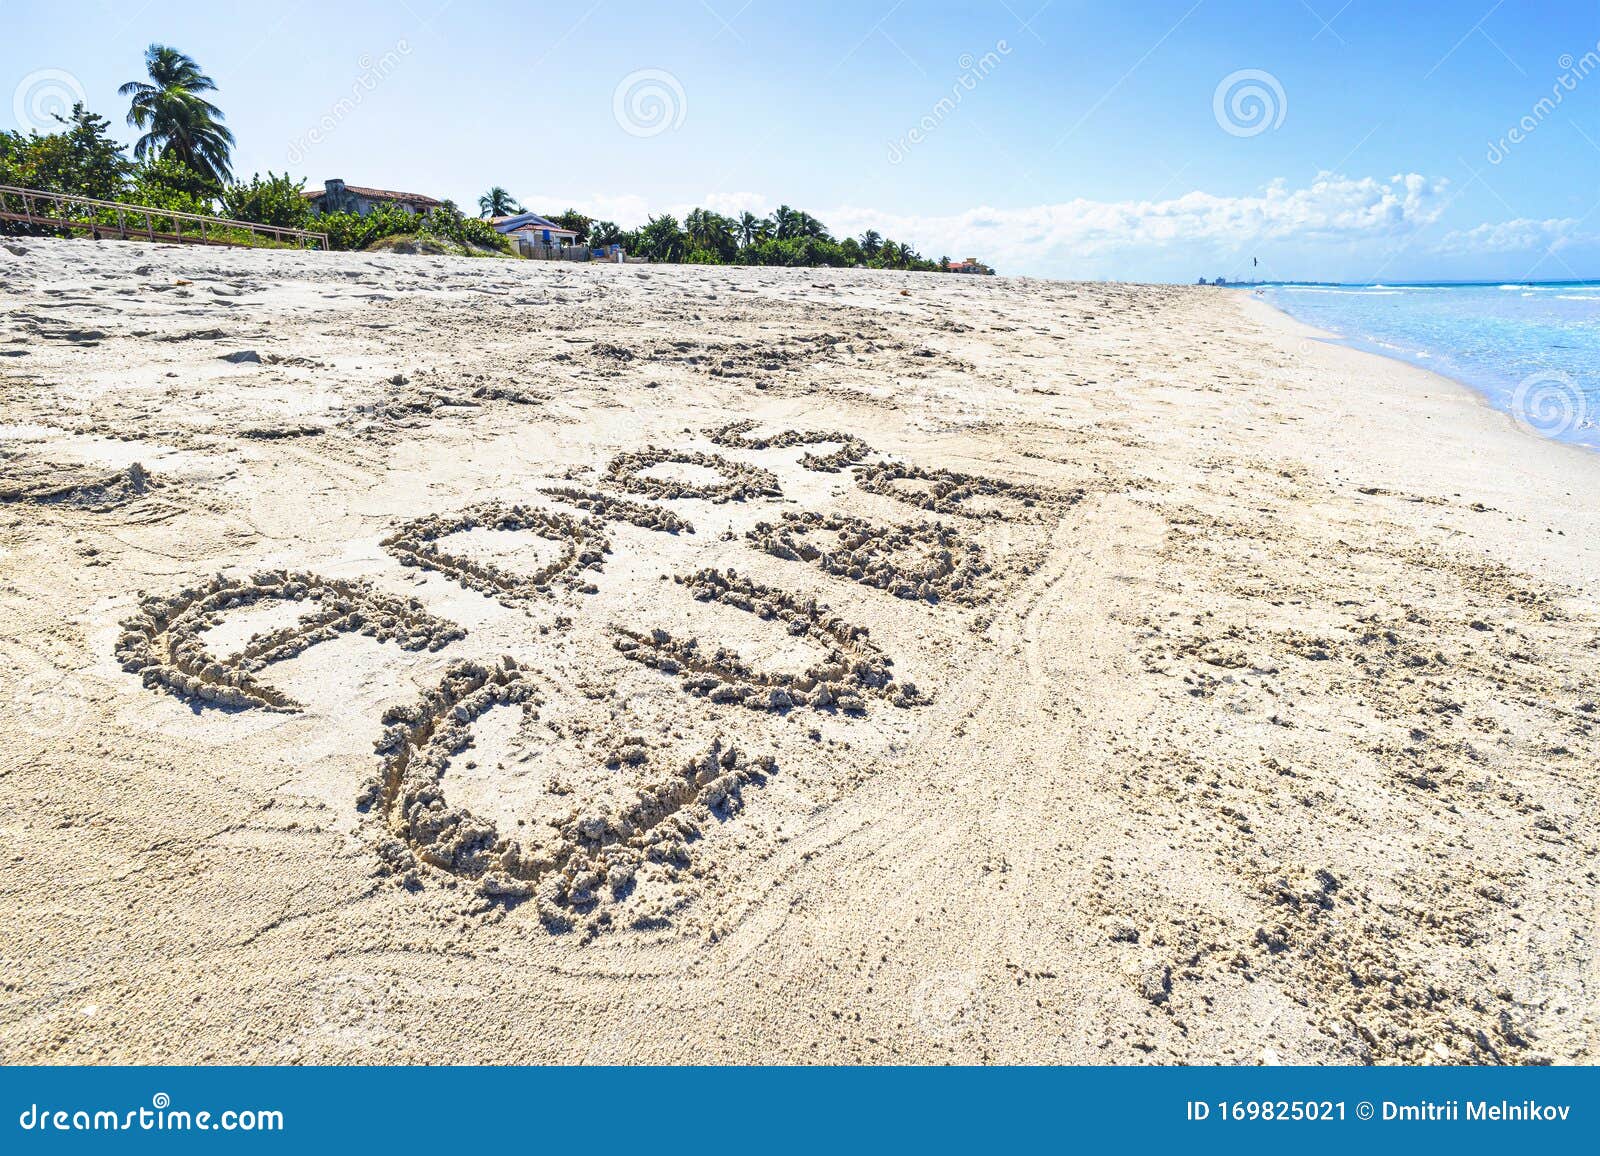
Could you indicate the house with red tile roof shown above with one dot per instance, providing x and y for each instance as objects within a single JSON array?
[{"x": 337, "y": 197}]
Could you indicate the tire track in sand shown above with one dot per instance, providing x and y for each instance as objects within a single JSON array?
[{"x": 1038, "y": 764}]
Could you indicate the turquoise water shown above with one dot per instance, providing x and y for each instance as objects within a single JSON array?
[{"x": 1533, "y": 350}]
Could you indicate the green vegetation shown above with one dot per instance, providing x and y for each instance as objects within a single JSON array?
[
  {"x": 788, "y": 237},
  {"x": 577, "y": 222},
  {"x": 445, "y": 226},
  {"x": 274, "y": 200},
  {"x": 178, "y": 122},
  {"x": 183, "y": 164},
  {"x": 498, "y": 203},
  {"x": 82, "y": 160}
]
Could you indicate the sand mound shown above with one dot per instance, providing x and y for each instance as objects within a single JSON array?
[
  {"x": 45, "y": 483},
  {"x": 854, "y": 670},
  {"x": 948, "y": 492},
  {"x": 613, "y": 509},
  {"x": 923, "y": 560},
  {"x": 851, "y": 448},
  {"x": 740, "y": 482},
  {"x": 593, "y": 856},
  {"x": 583, "y": 547},
  {"x": 162, "y": 643}
]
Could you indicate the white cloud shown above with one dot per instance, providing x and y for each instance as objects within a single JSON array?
[
  {"x": 732, "y": 204},
  {"x": 626, "y": 209},
  {"x": 1354, "y": 215},
  {"x": 1522, "y": 235},
  {"x": 630, "y": 210},
  {"x": 1333, "y": 208}
]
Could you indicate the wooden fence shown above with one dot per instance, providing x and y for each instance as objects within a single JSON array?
[
  {"x": 67, "y": 212},
  {"x": 538, "y": 251}
]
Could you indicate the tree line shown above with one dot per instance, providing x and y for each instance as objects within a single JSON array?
[
  {"x": 705, "y": 237},
  {"x": 182, "y": 162}
]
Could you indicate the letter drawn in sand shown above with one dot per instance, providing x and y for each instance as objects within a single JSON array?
[{"x": 163, "y": 644}]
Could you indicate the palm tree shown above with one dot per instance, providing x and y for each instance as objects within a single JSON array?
[
  {"x": 578, "y": 222},
  {"x": 871, "y": 242},
  {"x": 177, "y": 121},
  {"x": 498, "y": 203},
  {"x": 661, "y": 240},
  {"x": 710, "y": 231},
  {"x": 805, "y": 225},
  {"x": 750, "y": 228},
  {"x": 785, "y": 222}
]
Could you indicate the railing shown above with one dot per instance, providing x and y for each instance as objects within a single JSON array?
[{"x": 24, "y": 205}]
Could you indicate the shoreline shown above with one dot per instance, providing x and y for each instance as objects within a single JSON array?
[
  {"x": 1261, "y": 680},
  {"x": 1527, "y": 456},
  {"x": 1417, "y": 361}
]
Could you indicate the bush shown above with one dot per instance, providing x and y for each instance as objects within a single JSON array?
[
  {"x": 352, "y": 231},
  {"x": 276, "y": 201},
  {"x": 447, "y": 224},
  {"x": 82, "y": 160},
  {"x": 168, "y": 184}
]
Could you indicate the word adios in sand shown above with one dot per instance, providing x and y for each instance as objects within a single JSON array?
[{"x": 570, "y": 865}]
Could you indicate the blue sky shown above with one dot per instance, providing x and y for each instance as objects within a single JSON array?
[{"x": 1370, "y": 140}]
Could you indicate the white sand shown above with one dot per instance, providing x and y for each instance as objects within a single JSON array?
[{"x": 1269, "y": 732}]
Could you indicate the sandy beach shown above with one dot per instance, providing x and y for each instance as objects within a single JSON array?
[{"x": 443, "y": 660}]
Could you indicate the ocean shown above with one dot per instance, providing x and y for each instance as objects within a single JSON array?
[{"x": 1532, "y": 349}]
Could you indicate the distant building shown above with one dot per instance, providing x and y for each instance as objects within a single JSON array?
[
  {"x": 337, "y": 197},
  {"x": 971, "y": 265},
  {"x": 532, "y": 227}
]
